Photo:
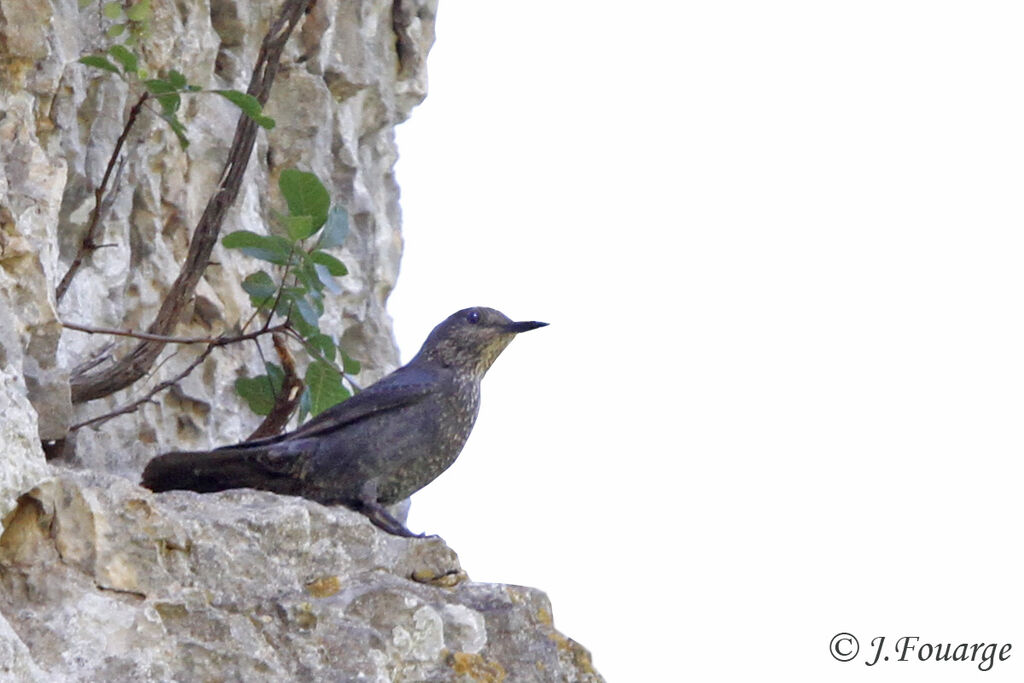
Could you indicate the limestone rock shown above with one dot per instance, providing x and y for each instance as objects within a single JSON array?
[
  {"x": 102, "y": 580},
  {"x": 30, "y": 198},
  {"x": 349, "y": 74},
  {"x": 21, "y": 458}
]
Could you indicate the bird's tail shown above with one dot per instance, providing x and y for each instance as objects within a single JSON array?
[{"x": 208, "y": 471}]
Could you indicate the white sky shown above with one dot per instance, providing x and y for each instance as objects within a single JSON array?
[{"x": 780, "y": 248}]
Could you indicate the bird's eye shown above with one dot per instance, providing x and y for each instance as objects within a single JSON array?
[{"x": 473, "y": 317}]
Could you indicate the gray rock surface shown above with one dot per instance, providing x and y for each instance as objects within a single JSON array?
[
  {"x": 103, "y": 580},
  {"x": 350, "y": 73},
  {"x": 21, "y": 457}
]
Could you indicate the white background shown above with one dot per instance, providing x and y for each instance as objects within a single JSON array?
[{"x": 780, "y": 248}]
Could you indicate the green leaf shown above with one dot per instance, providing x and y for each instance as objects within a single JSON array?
[
  {"x": 307, "y": 312},
  {"x": 336, "y": 228},
  {"x": 350, "y": 365},
  {"x": 115, "y": 30},
  {"x": 159, "y": 86},
  {"x": 333, "y": 265},
  {"x": 178, "y": 128},
  {"x": 127, "y": 58},
  {"x": 304, "y": 405},
  {"x": 325, "y": 388},
  {"x": 276, "y": 375},
  {"x": 287, "y": 302},
  {"x": 261, "y": 288},
  {"x": 100, "y": 63},
  {"x": 111, "y": 10},
  {"x": 139, "y": 11},
  {"x": 169, "y": 103},
  {"x": 302, "y": 327},
  {"x": 272, "y": 248},
  {"x": 327, "y": 280},
  {"x": 244, "y": 101},
  {"x": 308, "y": 278},
  {"x": 177, "y": 80},
  {"x": 323, "y": 344},
  {"x": 82, "y": 4},
  {"x": 249, "y": 105},
  {"x": 299, "y": 227},
  {"x": 300, "y": 313},
  {"x": 305, "y": 194},
  {"x": 260, "y": 392},
  {"x": 316, "y": 300}
]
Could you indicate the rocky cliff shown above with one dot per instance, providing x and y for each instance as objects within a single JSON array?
[
  {"x": 104, "y": 581},
  {"x": 100, "y": 579}
]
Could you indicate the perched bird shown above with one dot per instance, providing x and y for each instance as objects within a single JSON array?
[{"x": 374, "y": 449}]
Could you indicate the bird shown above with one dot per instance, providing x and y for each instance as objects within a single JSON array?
[{"x": 374, "y": 449}]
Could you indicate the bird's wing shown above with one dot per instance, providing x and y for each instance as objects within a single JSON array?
[
  {"x": 403, "y": 387},
  {"x": 379, "y": 398}
]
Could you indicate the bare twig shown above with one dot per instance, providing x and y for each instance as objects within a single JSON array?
[
  {"x": 280, "y": 290},
  {"x": 135, "y": 405},
  {"x": 251, "y": 318},
  {"x": 136, "y": 363},
  {"x": 219, "y": 341},
  {"x": 211, "y": 343},
  {"x": 163, "y": 361},
  {"x": 89, "y": 239}
]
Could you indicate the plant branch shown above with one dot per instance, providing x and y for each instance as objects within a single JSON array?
[
  {"x": 101, "y": 355},
  {"x": 136, "y": 363},
  {"x": 280, "y": 290},
  {"x": 217, "y": 341},
  {"x": 286, "y": 401},
  {"x": 89, "y": 239},
  {"x": 315, "y": 353},
  {"x": 211, "y": 344},
  {"x": 135, "y": 405}
]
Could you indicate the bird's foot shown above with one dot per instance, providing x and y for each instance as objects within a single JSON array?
[{"x": 383, "y": 519}]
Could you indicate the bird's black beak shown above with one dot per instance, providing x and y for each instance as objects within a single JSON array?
[{"x": 524, "y": 326}]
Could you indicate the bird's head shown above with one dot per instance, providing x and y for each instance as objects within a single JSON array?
[{"x": 473, "y": 338}]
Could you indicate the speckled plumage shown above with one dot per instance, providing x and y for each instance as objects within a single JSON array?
[{"x": 376, "y": 448}]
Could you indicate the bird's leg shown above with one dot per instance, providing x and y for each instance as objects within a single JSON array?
[
  {"x": 383, "y": 519},
  {"x": 379, "y": 515}
]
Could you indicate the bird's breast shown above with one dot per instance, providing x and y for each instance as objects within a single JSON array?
[
  {"x": 458, "y": 415},
  {"x": 425, "y": 451}
]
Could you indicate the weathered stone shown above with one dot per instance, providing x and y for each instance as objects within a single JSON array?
[
  {"x": 30, "y": 199},
  {"x": 16, "y": 662},
  {"x": 61, "y": 122},
  {"x": 21, "y": 458},
  {"x": 103, "y": 580}
]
